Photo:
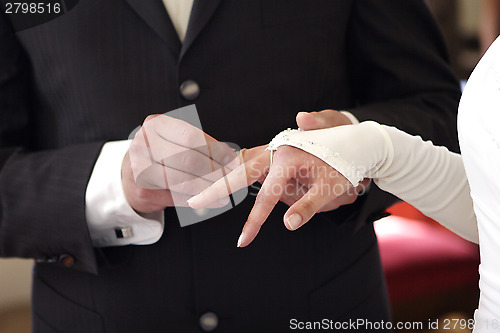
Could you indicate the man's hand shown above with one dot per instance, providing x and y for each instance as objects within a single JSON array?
[
  {"x": 321, "y": 119},
  {"x": 169, "y": 161}
]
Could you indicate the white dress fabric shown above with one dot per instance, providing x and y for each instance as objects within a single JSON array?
[{"x": 479, "y": 135}]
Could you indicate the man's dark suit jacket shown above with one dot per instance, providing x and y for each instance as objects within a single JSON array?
[{"x": 93, "y": 74}]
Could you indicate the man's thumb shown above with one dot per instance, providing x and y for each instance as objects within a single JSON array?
[{"x": 322, "y": 119}]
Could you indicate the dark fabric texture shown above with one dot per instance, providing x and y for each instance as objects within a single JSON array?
[{"x": 93, "y": 74}]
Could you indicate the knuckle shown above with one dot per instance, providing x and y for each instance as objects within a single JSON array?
[
  {"x": 134, "y": 148},
  {"x": 146, "y": 133},
  {"x": 289, "y": 158},
  {"x": 308, "y": 207},
  {"x": 148, "y": 118},
  {"x": 188, "y": 161},
  {"x": 290, "y": 190},
  {"x": 148, "y": 123},
  {"x": 284, "y": 152},
  {"x": 255, "y": 171},
  {"x": 188, "y": 137}
]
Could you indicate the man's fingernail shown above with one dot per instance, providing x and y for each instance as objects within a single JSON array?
[
  {"x": 240, "y": 240},
  {"x": 294, "y": 221},
  {"x": 194, "y": 200}
]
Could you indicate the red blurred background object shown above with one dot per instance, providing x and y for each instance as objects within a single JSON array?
[{"x": 429, "y": 270}]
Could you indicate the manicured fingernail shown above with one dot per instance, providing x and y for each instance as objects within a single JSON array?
[
  {"x": 240, "y": 240},
  {"x": 193, "y": 200},
  {"x": 294, "y": 221}
]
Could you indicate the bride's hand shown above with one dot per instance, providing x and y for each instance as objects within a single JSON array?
[
  {"x": 295, "y": 192},
  {"x": 257, "y": 166}
]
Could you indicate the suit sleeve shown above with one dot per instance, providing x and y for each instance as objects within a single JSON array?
[
  {"x": 400, "y": 70},
  {"x": 401, "y": 77},
  {"x": 42, "y": 193}
]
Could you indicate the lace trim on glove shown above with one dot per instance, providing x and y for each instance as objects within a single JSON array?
[{"x": 294, "y": 138}]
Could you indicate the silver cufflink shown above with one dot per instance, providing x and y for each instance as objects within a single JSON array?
[{"x": 123, "y": 232}]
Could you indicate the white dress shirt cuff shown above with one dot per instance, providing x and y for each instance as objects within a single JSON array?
[{"x": 110, "y": 219}]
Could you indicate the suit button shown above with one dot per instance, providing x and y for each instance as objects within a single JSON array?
[
  {"x": 66, "y": 260},
  {"x": 209, "y": 321},
  {"x": 190, "y": 90}
]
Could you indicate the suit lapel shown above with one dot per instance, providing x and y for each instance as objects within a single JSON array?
[
  {"x": 200, "y": 14},
  {"x": 153, "y": 12}
]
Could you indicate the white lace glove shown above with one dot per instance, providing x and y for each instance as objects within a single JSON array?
[{"x": 430, "y": 178}]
